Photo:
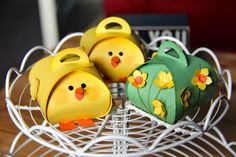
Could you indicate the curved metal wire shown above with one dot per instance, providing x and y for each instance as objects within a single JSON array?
[
  {"x": 124, "y": 132},
  {"x": 66, "y": 38}
]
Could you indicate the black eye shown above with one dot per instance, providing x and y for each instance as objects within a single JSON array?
[
  {"x": 121, "y": 53},
  {"x": 83, "y": 85},
  {"x": 110, "y": 53},
  {"x": 70, "y": 87}
]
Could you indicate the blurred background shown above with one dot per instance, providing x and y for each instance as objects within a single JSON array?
[
  {"x": 209, "y": 23},
  {"x": 28, "y": 23}
]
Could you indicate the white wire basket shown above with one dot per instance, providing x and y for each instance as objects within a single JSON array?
[{"x": 126, "y": 131}]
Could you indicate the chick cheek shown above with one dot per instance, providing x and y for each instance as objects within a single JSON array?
[{"x": 79, "y": 93}]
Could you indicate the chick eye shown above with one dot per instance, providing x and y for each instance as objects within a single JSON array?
[
  {"x": 121, "y": 53},
  {"x": 83, "y": 85},
  {"x": 70, "y": 87},
  {"x": 110, "y": 53}
]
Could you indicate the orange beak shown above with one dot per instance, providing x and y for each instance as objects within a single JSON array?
[
  {"x": 115, "y": 61},
  {"x": 79, "y": 93}
]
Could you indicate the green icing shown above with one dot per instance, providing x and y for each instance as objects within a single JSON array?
[
  {"x": 145, "y": 92},
  {"x": 133, "y": 95},
  {"x": 167, "y": 97},
  {"x": 164, "y": 95},
  {"x": 142, "y": 97}
]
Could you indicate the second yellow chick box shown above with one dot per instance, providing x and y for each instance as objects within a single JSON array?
[{"x": 114, "y": 48}]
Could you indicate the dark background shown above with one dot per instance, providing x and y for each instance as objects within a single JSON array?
[
  {"x": 19, "y": 31},
  {"x": 20, "y": 26}
]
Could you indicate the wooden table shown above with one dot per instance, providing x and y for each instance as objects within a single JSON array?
[{"x": 228, "y": 60}]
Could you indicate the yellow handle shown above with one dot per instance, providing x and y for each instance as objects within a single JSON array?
[{"x": 102, "y": 26}]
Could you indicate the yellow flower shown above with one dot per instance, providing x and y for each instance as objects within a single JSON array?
[
  {"x": 154, "y": 54},
  {"x": 201, "y": 78},
  {"x": 138, "y": 79},
  {"x": 184, "y": 97},
  {"x": 159, "y": 108},
  {"x": 164, "y": 80}
]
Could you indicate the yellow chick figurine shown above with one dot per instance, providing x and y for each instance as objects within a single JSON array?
[
  {"x": 69, "y": 89},
  {"x": 79, "y": 96},
  {"x": 115, "y": 50}
]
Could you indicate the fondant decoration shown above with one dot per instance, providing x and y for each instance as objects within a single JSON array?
[
  {"x": 154, "y": 54},
  {"x": 164, "y": 80},
  {"x": 185, "y": 97},
  {"x": 159, "y": 108},
  {"x": 69, "y": 89},
  {"x": 201, "y": 78},
  {"x": 169, "y": 93},
  {"x": 138, "y": 79},
  {"x": 114, "y": 49}
]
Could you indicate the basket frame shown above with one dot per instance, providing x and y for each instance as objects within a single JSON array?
[{"x": 120, "y": 138}]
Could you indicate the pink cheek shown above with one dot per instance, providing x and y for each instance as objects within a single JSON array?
[
  {"x": 93, "y": 94},
  {"x": 131, "y": 61},
  {"x": 128, "y": 59}
]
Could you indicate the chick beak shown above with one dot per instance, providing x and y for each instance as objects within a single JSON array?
[
  {"x": 79, "y": 93},
  {"x": 115, "y": 61}
]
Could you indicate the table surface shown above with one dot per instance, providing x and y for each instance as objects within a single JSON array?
[{"x": 228, "y": 61}]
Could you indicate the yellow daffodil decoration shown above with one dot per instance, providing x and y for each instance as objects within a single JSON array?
[
  {"x": 138, "y": 79},
  {"x": 201, "y": 79},
  {"x": 185, "y": 97},
  {"x": 177, "y": 84},
  {"x": 154, "y": 54},
  {"x": 159, "y": 108},
  {"x": 164, "y": 80}
]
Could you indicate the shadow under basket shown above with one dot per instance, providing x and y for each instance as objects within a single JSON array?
[{"x": 126, "y": 131}]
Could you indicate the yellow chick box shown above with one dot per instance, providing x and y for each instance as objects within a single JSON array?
[
  {"x": 114, "y": 48},
  {"x": 69, "y": 89}
]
